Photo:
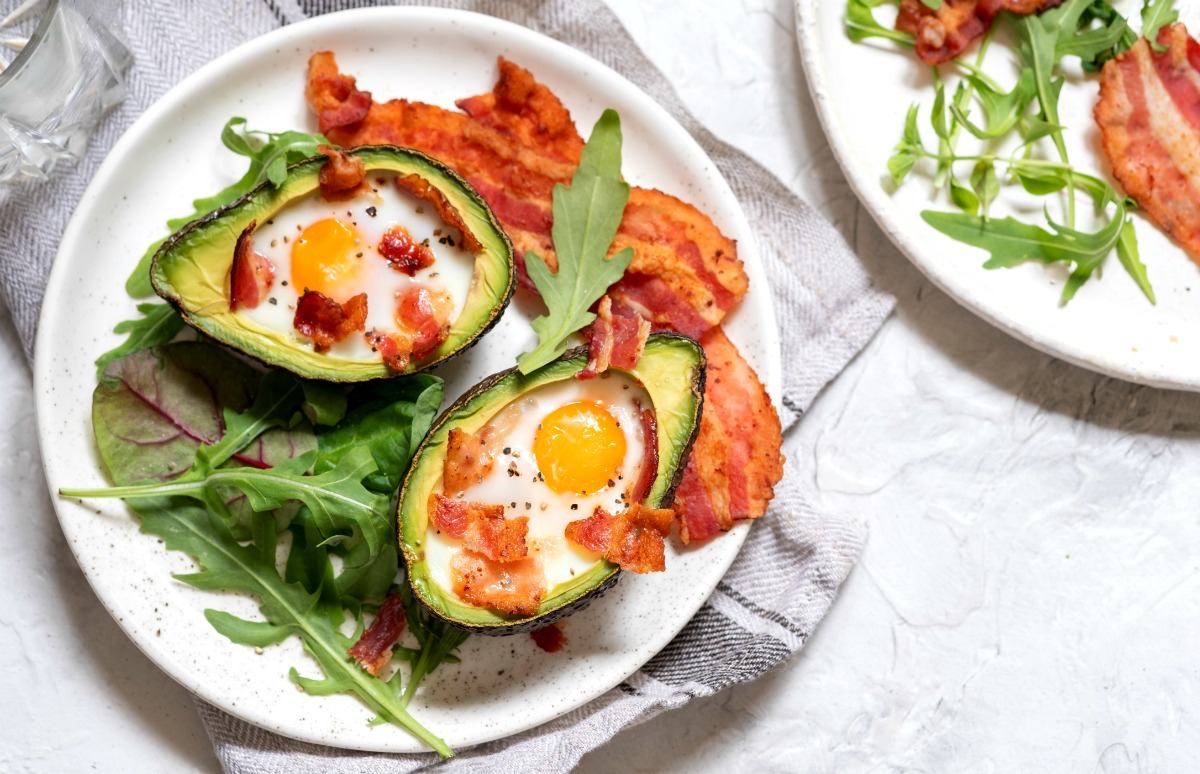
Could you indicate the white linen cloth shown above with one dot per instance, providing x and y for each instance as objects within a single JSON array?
[{"x": 788, "y": 572}]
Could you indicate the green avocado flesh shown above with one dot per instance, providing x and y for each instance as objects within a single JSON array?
[
  {"x": 192, "y": 269},
  {"x": 671, "y": 371}
]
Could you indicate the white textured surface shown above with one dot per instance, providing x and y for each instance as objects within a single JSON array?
[{"x": 1027, "y": 599}]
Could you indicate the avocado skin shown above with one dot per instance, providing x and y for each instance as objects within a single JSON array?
[
  {"x": 328, "y": 368},
  {"x": 661, "y": 494}
]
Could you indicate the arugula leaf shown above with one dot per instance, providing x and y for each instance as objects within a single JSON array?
[
  {"x": 269, "y": 153},
  {"x": 437, "y": 640},
  {"x": 257, "y": 633},
  {"x": 861, "y": 23},
  {"x": 1011, "y": 242},
  {"x": 586, "y": 217},
  {"x": 225, "y": 564},
  {"x": 158, "y": 325},
  {"x": 1157, "y": 14},
  {"x": 1127, "y": 253}
]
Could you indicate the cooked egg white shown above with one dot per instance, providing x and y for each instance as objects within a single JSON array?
[
  {"x": 331, "y": 247},
  {"x": 576, "y": 444}
]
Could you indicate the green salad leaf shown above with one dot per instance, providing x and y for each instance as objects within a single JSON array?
[
  {"x": 270, "y": 154},
  {"x": 586, "y": 216},
  {"x": 1157, "y": 14}
]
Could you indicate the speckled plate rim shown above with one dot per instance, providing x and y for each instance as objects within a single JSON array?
[
  {"x": 757, "y": 308},
  {"x": 924, "y": 252}
]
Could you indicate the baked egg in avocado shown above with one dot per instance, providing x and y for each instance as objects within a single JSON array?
[
  {"x": 531, "y": 492},
  {"x": 364, "y": 264}
]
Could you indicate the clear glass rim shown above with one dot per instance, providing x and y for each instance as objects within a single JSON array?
[{"x": 39, "y": 34}]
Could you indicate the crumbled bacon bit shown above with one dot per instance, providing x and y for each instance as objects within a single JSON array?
[
  {"x": 550, "y": 638},
  {"x": 515, "y": 588},
  {"x": 395, "y": 353},
  {"x": 341, "y": 176},
  {"x": 327, "y": 322},
  {"x": 374, "y": 648},
  {"x": 426, "y": 316},
  {"x": 482, "y": 528},
  {"x": 402, "y": 253},
  {"x": 420, "y": 188},
  {"x": 469, "y": 457},
  {"x": 617, "y": 337},
  {"x": 250, "y": 275},
  {"x": 632, "y": 539}
]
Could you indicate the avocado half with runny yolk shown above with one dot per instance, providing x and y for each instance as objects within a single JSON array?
[
  {"x": 386, "y": 249},
  {"x": 556, "y": 449}
]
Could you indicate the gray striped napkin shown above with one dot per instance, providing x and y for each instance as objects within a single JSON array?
[{"x": 789, "y": 570}]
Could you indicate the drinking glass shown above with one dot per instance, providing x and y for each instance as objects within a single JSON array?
[{"x": 52, "y": 96}]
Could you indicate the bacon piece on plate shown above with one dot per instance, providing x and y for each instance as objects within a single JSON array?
[
  {"x": 251, "y": 274},
  {"x": 685, "y": 274},
  {"x": 614, "y": 339},
  {"x": 632, "y": 539},
  {"x": 420, "y": 188},
  {"x": 515, "y": 588},
  {"x": 327, "y": 322},
  {"x": 403, "y": 253},
  {"x": 945, "y": 33},
  {"x": 1149, "y": 118},
  {"x": 735, "y": 461},
  {"x": 333, "y": 96},
  {"x": 374, "y": 648},
  {"x": 550, "y": 638},
  {"x": 341, "y": 175}
]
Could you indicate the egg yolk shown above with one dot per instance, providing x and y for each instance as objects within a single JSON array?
[
  {"x": 579, "y": 448},
  {"x": 324, "y": 258}
]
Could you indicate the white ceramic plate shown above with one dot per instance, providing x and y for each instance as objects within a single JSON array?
[
  {"x": 171, "y": 155},
  {"x": 862, "y": 92}
]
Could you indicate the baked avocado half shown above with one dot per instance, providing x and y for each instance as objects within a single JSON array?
[
  {"x": 448, "y": 257},
  {"x": 515, "y": 440}
]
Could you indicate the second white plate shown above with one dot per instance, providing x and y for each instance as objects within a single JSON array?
[{"x": 862, "y": 92}]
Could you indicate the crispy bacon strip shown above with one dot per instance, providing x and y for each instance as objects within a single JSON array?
[
  {"x": 327, "y": 322},
  {"x": 374, "y": 648},
  {"x": 945, "y": 33},
  {"x": 515, "y": 588},
  {"x": 341, "y": 175},
  {"x": 528, "y": 112},
  {"x": 403, "y": 253},
  {"x": 420, "y": 188},
  {"x": 550, "y": 638},
  {"x": 250, "y": 275},
  {"x": 482, "y": 528},
  {"x": 632, "y": 539},
  {"x": 514, "y": 145},
  {"x": 1149, "y": 119},
  {"x": 614, "y": 339},
  {"x": 735, "y": 461}
]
